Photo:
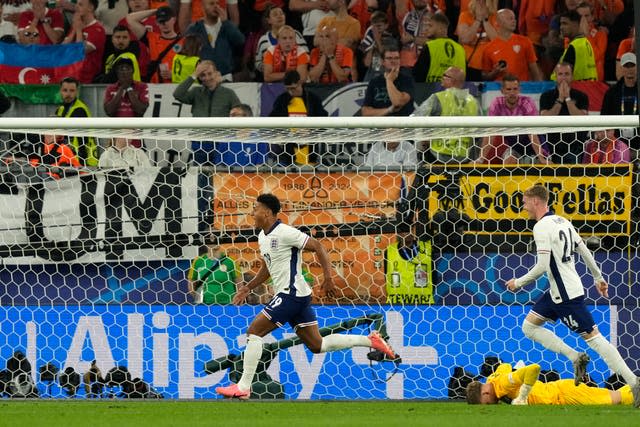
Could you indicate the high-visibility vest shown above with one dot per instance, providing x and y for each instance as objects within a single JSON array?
[
  {"x": 410, "y": 282},
  {"x": 85, "y": 148}
]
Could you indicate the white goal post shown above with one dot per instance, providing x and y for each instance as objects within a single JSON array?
[
  {"x": 284, "y": 129},
  {"x": 96, "y": 263}
]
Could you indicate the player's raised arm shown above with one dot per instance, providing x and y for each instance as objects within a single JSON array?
[
  {"x": 323, "y": 258},
  {"x": 244, "y": 290}
]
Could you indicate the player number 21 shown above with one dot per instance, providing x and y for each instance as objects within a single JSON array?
[{"x": 567, "y": 245}]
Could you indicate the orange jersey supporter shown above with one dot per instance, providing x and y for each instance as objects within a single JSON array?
[
  {"x": 344, "y": 56},
  {"x": 535, "y": 17},
  {"x": 475, "y": 48},
  {"x": 64, "y": 153},
  {"x": 154, "y": 4},
  {"x": 517, "y": 52},
  {"x": 285, "y": 62},
  {"x": 156, "y": 46},
  {"x": 347, "y": 28},
  {"x": 625, "y": 46},
  {"x": 599, "y": 41},
  {"x": 61, "y": 154},
  {"x": 613, "y": 6},
  {"x": 360, "y": 11}
]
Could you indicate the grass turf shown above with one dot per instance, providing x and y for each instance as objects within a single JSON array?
[{"x": 290, "y": 413}]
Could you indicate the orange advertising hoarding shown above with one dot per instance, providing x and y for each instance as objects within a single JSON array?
[{"x": 312, "y": 200}]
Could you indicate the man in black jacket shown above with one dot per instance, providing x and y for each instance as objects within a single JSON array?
[
  {"x": 296, "y": 101},
  {"x": 622, "y": 98}
]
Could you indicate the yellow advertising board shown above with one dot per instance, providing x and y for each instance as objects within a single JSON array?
[{"x": 597, "y": 199}]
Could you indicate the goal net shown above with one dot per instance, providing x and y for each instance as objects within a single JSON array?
[{"x": 99, "y": 264}]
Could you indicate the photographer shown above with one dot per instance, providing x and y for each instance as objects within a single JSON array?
[{"x": 213, "y": 277}]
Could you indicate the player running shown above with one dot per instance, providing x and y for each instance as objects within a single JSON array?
[
  {"x": 281, "y": 248},
  {"x": 556, "y": 240}
]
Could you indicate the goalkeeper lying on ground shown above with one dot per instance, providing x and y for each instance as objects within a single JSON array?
[{"x": 521, "y": 387}]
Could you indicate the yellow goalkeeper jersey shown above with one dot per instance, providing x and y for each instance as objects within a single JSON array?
[{"x": 507, "y": 382}]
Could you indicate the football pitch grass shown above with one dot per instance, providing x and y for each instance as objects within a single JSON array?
[{"x": 305, "y": 413}]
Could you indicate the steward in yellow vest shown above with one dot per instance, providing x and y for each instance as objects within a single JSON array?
[
  {"x": 409, "y": 271},
  {"x": 439, "y": 52},
  {"x": 85, "y": 148},
  {"x": 584, "y": 65},
  {"x": 443, "y": 53},
  {"x": 579, "y": 53}
]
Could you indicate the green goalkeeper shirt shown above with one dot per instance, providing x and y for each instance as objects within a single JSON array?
[{"x": 219, "y": 287}]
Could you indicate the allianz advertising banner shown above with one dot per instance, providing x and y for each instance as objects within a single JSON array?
[{"x": 168, "y": 346}]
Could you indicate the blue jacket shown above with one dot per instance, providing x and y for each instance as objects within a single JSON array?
[{"x": 229, "y": 39}]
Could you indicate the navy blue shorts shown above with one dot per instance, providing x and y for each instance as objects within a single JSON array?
[
  {"x": 573, "y": 313},
  {"x": 296, "y": 311}
]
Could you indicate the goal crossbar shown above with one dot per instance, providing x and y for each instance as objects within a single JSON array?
[{"x": 312, "y": 129}]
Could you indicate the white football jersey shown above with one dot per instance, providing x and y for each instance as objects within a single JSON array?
[
  {"x": 557, "y": 236},
  {"x": 281, "y": 249}
]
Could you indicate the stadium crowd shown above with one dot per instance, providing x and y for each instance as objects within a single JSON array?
[
  {"x": 391, "y": 45},
  {"x": 332, "y": 40}
]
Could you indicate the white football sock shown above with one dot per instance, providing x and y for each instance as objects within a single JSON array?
[
  {"x": 335, "y": 342},
  {"x": 252, "y": 354},
  {"x": 612, "y": 357},
  {"x": 548, "y": 339}
]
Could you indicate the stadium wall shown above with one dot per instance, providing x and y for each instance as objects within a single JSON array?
[{"x": 339, "y": 100}]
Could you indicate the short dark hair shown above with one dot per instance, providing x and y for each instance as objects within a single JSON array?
[
  {"x": 270, "y": 201},
  {"x": 246, "y": 109},
  {"x": 584, "y": 4},
  {"x": 510, "y": 78},
  {"x": 390, "y": 45},
  {"x": 571, "y": 15},
  {"x": 291, "y": 77},
  {"x": 564, "y": 64},
  {"x": 70, "y": 79},
  {"x": 94, "y": 3},
  {"x": 379, "y": 16},
  {"x": 440, "y": 18},
  {"x": 123, "y": 60},
  {"x": 119, "y": 28}
]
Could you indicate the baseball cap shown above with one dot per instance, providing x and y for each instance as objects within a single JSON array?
[
  {"x": 628, "y": 58},
  {"x": 164, "y": 13}
]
